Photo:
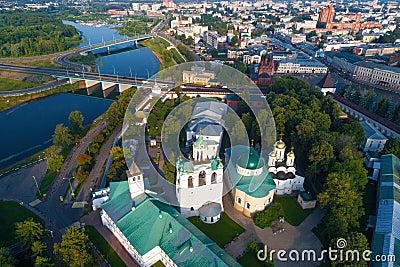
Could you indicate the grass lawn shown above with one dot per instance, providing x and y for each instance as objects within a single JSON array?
[
  {"x": 46, "y": 182},
  {"x": 294, "y": 214},
  {"x": 14, "y": 85},
  {"x": 249, "y": 259},
  {"x": 222, "y": 232},
  {"x": 159, "y": 47},
  {"x": 105, "y": 249},
  {"x": 10, "y": 214}
]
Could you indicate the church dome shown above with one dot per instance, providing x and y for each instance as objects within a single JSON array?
[
  {"x": 251, "y": 161},
  {"x": 200, "y": 143},
  {"x": 280, "y": 144}
]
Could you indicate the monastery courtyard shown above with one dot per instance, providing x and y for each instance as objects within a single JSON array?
[{"x": 294, "y": 237}]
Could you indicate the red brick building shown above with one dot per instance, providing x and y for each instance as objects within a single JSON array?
[{"x": 266, "y": 71}]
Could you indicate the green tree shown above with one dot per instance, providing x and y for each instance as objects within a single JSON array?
[
  {"x": 76, "y": 121},
  {"x": 94, "y": 148},
  {"x": 355, "y": 242},
  {"x": 392, "y": 146},
  {"x": 322, "y": 154},
  {"x": 247, "y": 120},
  {"x": 115, "y": 114},
  {"x": 343, "y": 204},
  {"x": 6, "y": 258},
  {"x": 62, "y": 136},
  {"x": 55, "y": 162},
  {"x": 80, "y": 175},
  {"x": 382, "y": 106},
  {"x": 118, "y": 153},
  {"x": 84, "y": 159},
  {"x": 38, "y": 248},
  {"x": 75, "y": 249},
  {"x": 368, "y": 99},
  {"x": 29, "y": 231},
  {"x": 41, "y": 261},
  {"x": 98, "y": 139},
  {"x": 264, "y": 218}
]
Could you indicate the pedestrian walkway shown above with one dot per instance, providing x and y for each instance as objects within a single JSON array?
[{"x": 300, "y": 237}]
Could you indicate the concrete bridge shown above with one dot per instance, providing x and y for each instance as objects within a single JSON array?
[{"x": 107, "y": 46}]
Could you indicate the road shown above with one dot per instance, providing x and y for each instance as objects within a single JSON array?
[
  {"x": 61, "y": 215},
  {"x": 33, "y": 90}
]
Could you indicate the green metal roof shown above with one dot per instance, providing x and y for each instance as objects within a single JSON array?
[
  {"x": 251, "y": 160},
  {"x": 120, "y": 202},
  {"x": 387, "y": 231},
  {"x": 257, "y": 186},
  {"x": 153, "y": 223}
]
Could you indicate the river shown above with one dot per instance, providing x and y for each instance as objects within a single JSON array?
[
  {"x": 139, "y": 62},
  {"x": 28, "y": 128}
]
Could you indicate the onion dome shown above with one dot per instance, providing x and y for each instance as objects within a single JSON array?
[
  {"x": 272, "y": 154},
  {"x": 280, "y": 144},
  {"x": 200, "y": 143},
  {"x": 291, "y": 153},
  {"x": 251, "y": 161}
]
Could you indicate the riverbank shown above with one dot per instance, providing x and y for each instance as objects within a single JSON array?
[
  {"x": 9, "y": 102},
  {"x": 159, "y": 48}
]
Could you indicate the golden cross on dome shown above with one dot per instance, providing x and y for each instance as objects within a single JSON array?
[
  {"x": 201, "y": 131},
  {"x": 281, "y": 136},
  {"x": 252, "y": 142}
]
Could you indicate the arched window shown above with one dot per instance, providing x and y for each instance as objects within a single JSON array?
[
  {"x": 214, "y": 178},
  {"x": 212, "y": 219},
  {"x": 190, "y": 182},
  {"x": 239, "y": 200},
  {"x": 191, "y": 209},
  {"x": 202, "y": 178},
  {"x": 248, "y": 205}
]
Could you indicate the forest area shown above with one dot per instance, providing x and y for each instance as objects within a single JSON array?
[{"x": 32, "y": 33}]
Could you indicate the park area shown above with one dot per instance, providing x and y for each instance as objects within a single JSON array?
[
  {"x": 283, "y": 206},
  {"x": 12, "y": 213},
  {"x": 221, "y": 232}
]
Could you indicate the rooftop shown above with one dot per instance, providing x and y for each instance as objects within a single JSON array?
[{"x": 153, "y": 223}]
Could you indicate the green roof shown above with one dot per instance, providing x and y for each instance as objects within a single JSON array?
[
  {"x": 257, "y": 186},
  {"x": 387, "y": 234},
  {"x": 390, "y": 173},
  {"x": 199, "y": 143},
  {"x": 122, "y": 202},
  {"x": 251, "y": 160},
  {"x": 153, "y": 223},
  {"x": 306, "y": 196}
]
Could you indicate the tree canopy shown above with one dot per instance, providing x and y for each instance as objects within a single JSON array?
[
  {"x": 31, "y": 33},
  {"x": 75, "y": 249}
]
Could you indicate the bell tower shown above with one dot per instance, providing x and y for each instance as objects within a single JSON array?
[{"x": 135, "y": 181}]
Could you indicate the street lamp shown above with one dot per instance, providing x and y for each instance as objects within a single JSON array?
[
  {"x": 130, "y": 70},
  {"x": 50, "y": 231},
  {"x": 37, "y": 186},
  {"x": 98, "y": 70},
  {"x": 70, "y": 185},
  {"x": 83, "y": 71}
]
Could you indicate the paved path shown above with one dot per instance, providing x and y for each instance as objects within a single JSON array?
[
  {"x": 93, "y": 219},
  {"x": 299, "y": 238},
  {"x": 96, "y": 173}
]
